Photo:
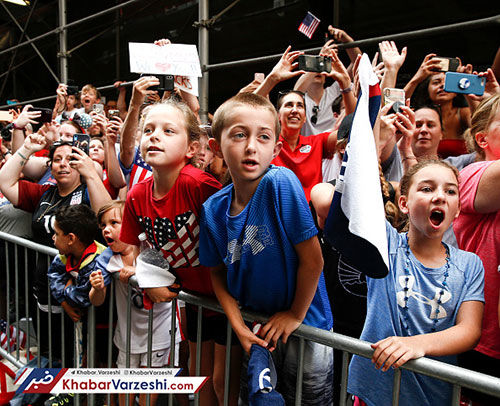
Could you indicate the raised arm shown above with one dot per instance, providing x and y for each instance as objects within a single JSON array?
[
  {"x": 427, "y": 68},
  {"x": 61, "y": 98},
  {"x": 340, "y": 36},
  {"x": 11, "y": 171},
  {"x": 121, "y": 103},
  {"x": 393, "y": 60},
  {"x": 283, "y": 70},
  {"x": 127, "y": 140},
  {"x": 113, "y": 169}
]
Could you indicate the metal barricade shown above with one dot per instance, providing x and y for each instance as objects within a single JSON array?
[{"x": 20, "y": 253}]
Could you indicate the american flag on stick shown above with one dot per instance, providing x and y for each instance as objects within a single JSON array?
[{"x": 309, "y": 25}]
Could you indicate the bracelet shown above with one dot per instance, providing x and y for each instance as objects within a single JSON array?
[
  {"x": 347, "y": 89},
  {"x": 409, "y": 157},
  {"x": 15, "y": 127},
  {"x": 22, "y": 156}
]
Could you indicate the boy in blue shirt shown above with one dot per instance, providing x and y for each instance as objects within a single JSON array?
[{"x": 259, "y": 239}]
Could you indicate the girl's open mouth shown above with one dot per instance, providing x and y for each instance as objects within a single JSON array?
[{"x": 437, "y": 217}]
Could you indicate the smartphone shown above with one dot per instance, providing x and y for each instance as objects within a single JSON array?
[
  {"x": 6, "y": 116},
  {"x": 71, "y": 90},
  {"x": 167, "y": 83},
  {"x": 82, "y": 141},
  {"x": 396, "y": 96},
  {"x": 156, "y": 88},
  {"x": 464, "y": 83},
  {"x": 45, "y": 117},
  {"x": 447, "y": 64},
  {"x": 98, "y": 108},
  {"x": 315, "y": 63},
  {"x": 113, "y": 113}
]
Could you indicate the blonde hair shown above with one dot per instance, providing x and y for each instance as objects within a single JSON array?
[
  {"x": 241, "y": 99},
  {"x": 480, "y": 122},
  {"x": 190, "y": 121},
  {"x": 115, "y": 204}
]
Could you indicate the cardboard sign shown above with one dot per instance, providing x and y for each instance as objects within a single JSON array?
[{"x": 173, "y": 59}]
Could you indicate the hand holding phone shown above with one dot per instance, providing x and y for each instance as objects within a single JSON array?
[
  {"x": 464, "y": 83},
  {"x": 82, "y": 141}
]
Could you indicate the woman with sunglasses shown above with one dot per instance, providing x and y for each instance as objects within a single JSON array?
[
  {"x": 76, "y": 182},
  {"x": 303, "y": 155}
]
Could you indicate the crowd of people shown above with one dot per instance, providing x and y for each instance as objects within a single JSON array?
[{"x": 239, "y": 209}]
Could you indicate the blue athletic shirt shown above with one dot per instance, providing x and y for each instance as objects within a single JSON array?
[
  {"x": 257, "y": 245},
  {"x": 385, "y": 318}
]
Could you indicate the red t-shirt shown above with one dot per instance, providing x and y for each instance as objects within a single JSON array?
[
  {"x": 480, "y": 233},
  {"x": 305, "y": 159},
  {"x": 171, "y": 223}
]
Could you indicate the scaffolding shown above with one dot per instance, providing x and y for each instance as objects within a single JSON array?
[{"x": 204, "y": 24}]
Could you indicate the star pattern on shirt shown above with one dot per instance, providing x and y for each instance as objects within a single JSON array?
[{"x": 177, "y": 240}]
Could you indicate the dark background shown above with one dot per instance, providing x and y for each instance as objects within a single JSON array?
[{"x": 250, "y": 29}]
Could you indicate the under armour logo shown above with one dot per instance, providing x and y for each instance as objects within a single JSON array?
[
  {"x": 256, "y": 239},
  {"x": 265, "y": 381},
  {"x": 433, "y": 303}
]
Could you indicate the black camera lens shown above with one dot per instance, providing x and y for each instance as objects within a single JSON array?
[{"x": 6, "y": 132}]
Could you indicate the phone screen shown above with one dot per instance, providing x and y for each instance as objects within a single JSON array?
[{"x": 82, "y": 141}]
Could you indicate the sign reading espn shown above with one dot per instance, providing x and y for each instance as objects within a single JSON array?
[{"x": 100, "y": 380}]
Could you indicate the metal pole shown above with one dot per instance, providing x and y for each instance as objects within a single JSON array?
[
  {"x": 117, "y": 44},
  {"x": 203, "y": 49},
  {"x": 63, "y": 37},
  {"x": 481, "y": 23},
  {"x": 30, "y": 41},
  {"x": 336, "y": 12},
  {"x": 66, "y": 26}
]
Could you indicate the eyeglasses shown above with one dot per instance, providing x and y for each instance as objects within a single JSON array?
[{"x": 314, "y": 117}]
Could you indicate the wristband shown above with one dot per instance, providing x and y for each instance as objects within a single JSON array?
[
  {"x": 16, "y": 127},
  {"x": 347, "y": 89},
  {"x": 409, "y": 157},
  {"x": 22, "y": 156}
]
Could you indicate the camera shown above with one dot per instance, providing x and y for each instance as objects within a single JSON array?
[
  {"x": 166, "y": 82},
  {"x": 71, "y": 90},
  {"x": 6, "y": 132},
  {"x": 315, "y": 63}
]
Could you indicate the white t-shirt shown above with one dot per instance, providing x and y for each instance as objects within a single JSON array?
[
  {"x": 325, "y": 121},
  {"x": 139, "y": 319}
]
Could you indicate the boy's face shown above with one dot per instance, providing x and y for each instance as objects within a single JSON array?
[
  {"x": 88, "y": 98},
  {"x": 111, "y": 225},
  {"x": 61, "y": 240},
  {"x": 248, "y": 143}
]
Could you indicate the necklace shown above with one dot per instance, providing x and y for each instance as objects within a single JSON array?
[{"x": 406, "y": 288}]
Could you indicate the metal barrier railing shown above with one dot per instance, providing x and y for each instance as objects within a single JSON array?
[{"x": 458, "y": 377}]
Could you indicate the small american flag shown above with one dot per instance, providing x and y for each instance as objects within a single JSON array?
[{"x": 309, "y": 25}]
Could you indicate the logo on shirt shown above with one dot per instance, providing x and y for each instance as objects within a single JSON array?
[
  {"x": 255, "y": 240},
  {"x": 177, "y": 241},
  {"x": 433, "y": 303},
  {"x": 305, "y": 149},
  {"x": 76, "y": 198}
]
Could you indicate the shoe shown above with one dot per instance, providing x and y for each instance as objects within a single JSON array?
[{"x": 63, "y": 399}]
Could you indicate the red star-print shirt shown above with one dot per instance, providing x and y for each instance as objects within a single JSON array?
[{"x": 171, "y": 223}]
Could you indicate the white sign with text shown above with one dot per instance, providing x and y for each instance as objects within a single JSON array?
[{"x": 172, "y": 59}]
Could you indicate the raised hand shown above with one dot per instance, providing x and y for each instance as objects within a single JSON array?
[
  {"x": 27, "y": 116},
  {"x": 284, "y": 69},
  {"x": 391, "y": 56}
]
